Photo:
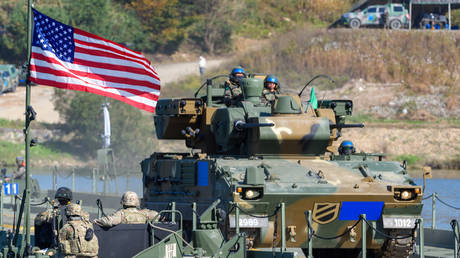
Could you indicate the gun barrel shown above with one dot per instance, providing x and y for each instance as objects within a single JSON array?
[
  {"x": 241, "y": 125},
  {"x": 340, "y": 126}
]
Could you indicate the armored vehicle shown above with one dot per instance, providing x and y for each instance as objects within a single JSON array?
[
  {"x": 266, "y": 161},
  {"x": 9, "y": 78},
  {"x": 398, "y": 16}
]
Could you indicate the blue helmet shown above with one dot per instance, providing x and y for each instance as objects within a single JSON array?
[
  {"x": 347, "y": 148},
  {"x": 238, "y": 70},
  {"x": 236, "y": 79},
  {"x": 271, "y": 78}
]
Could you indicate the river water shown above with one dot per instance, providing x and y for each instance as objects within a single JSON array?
[{"x": 447, "y": 190}]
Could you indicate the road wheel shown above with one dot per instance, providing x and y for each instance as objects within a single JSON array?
[
  {"x": 355, "y": 23},
  {"x": 395, "y": 24}
]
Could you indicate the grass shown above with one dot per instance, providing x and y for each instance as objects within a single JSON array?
[
  {"x": 375, "y": 55},
  {"x": 9, "y": 151},
  {"x": 412, "y": 160},
  {"x": 15, "y": 124}
]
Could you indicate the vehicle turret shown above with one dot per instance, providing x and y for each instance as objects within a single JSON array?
[{"x": 289, "y": 127}]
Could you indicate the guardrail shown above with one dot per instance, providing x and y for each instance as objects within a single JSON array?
[{"x": 434, "y": 196}]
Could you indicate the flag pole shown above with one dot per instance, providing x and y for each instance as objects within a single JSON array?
[{"x": 30, "y": 115}]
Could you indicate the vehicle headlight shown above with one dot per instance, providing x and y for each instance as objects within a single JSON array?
[
  {"x": 250, "y": 193},
  {"x": 406, "y": 195}
]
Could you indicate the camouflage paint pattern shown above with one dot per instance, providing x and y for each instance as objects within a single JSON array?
[{"x": 278, "y": 155}]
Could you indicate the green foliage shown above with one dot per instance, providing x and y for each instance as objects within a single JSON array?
[
  {"x": 164, "y": 25},
  {"x": 16, "y": 124},
  {"x": 9, "y": 151},
  {"x": 98, "y": 18},
  {"x": 411, "y": 159},
  {"x": 132, "y": 135},
  {"x": 455, "y": 15},
  {"x": 13, "y": 34}
]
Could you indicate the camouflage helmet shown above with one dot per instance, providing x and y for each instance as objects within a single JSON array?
[
  {"x": 73, "y": 209},
  {"x": 130, "y": 199},
  {"x": 63, "y": 195}
]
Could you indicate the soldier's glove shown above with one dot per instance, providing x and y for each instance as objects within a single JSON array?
[{"x": 89, "y": 234}]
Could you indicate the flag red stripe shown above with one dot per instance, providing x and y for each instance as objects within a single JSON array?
[
  {"x": 114, "y": 67},
  {"x": 110, "y": 55},
  {"x": 108, "y": 48},
  {"x": 47, "y": 70},
  {"x": 105, "y": 77},
  {"x": 79, "y": 87},
  {"x": 87, "y": 34}
]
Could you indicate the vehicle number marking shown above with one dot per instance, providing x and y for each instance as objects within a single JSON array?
[
  {"x": 399, "y": 222},
  {"x": 170, "y": 251},
  {"x": 248, "y": 222}
]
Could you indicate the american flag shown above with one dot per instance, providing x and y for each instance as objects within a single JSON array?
[{"x": 70, "y": 58}]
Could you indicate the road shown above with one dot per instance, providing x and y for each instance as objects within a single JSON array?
[{"x": 12, "y": 104}]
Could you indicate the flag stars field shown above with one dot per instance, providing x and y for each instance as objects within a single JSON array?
[{"x": 69, "y": 58}]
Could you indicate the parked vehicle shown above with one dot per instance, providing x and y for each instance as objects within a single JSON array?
[
  {"x": 9, "y": 78},
  {"x": 434, "y": 20},
  {"x": 374, "y": 15}
]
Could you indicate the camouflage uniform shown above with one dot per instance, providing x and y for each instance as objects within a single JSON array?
[
  {"x": 233, "y": 93},
  {"x": 269, "y": 97},
  {"x": 19, "y": 173},
  {"x": 46, "y": 232},
  {"x": 77, "y": 238},
  {"x": 129, "y": 214}
]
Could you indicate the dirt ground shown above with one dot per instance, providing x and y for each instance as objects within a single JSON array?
[
  {"x": 432, "y": 143},
  {"x": 12, "y": 104}
]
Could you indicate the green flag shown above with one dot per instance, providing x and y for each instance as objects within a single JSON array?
[{"x": 313, "y": 100}]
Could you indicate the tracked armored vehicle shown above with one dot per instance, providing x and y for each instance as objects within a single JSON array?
[{"x": 264, "y": 162}]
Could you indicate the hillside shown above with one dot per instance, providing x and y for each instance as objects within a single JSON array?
[{"x": 166, "y": 27}]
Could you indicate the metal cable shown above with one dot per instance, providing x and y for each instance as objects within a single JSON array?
[
  {"x": 454, "y": 224},
  {"x": 258, "y": 216},
  {"x": 45, "y": 200},
  {"x": 388, "y": 236},
  {"x": 171, "y": 231},
  {"x": 428, "y": 197},
  {"x": 275, "y": 234},
  {"x": 313, "y": 233},
  {"x": 448, "y": 205}
]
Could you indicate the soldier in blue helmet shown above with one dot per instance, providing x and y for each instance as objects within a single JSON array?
[
  {"x": 346, "y": 148},
  {"x": 233, "y": 92},
  {"x": 271, "y": 89}
]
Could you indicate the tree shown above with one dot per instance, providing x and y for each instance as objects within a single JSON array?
[
  {"x": 213, "y": 29},
  {"x": 13, "y": 35},
  {"x": 132, "y": 136}
]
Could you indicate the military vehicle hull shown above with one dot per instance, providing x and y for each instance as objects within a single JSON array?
[
  {"x": 326, "y": 188},
  {"x": 273, "y": 166}
]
